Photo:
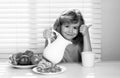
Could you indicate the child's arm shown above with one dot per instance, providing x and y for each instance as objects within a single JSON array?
[
  {"x": 86, "y": 38},
  {"x": 87, "y": 43}
]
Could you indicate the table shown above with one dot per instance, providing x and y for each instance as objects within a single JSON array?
[{"x": 105, "y": 69}]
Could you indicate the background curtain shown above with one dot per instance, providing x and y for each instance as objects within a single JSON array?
[{"x": 22, "y": 23}]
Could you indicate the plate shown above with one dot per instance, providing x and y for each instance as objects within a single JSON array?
[
  {"x": 49, "y": 73},
  {"x": 22, "y": 66}
]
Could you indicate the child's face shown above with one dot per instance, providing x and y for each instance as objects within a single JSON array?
[{"x": 69, "y": 31}]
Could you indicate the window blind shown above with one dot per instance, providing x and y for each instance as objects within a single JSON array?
[
  {"x": 15, "y": 26},
  {"x": 49, "y": 10},
  {"x": 22, "y": 22}
]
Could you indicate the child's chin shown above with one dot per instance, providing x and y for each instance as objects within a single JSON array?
[{"x": 68, "y": 39}]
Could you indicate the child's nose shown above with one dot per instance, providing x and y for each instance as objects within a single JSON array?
[{"x": 70, "y": 30}]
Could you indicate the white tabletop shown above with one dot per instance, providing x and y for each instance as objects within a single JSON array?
[{"x": 109, "y": 69}]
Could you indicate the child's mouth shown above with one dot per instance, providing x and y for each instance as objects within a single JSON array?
[{"x": 69, "y": 35}]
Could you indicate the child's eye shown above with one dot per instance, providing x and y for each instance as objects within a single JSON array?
[
  {"x": 67, "y": 26},
  {"x": 75, "y": 27}
]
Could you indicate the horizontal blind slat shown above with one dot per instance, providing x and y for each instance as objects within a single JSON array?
[{"x": 22, "y": 22}]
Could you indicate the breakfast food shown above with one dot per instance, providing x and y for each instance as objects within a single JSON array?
[
  {"x": 25, "y": 58},
  {"x": 36, "y": 58},
  {"x": 49, "y": 70},
  {"x": 46, "y": 67}
]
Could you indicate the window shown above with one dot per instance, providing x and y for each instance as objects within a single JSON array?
[{"x": 23, "y": 21}]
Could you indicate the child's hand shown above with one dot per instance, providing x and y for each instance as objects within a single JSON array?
[
  {"x": 84, "y": 29},
  {"x": 47, "y": 33}
]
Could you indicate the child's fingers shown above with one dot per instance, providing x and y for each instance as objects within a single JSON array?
[
  {"x": 47, "y": 33},
  {"x": 84, "y": 27},
  {"x": 89, "y": 26}
]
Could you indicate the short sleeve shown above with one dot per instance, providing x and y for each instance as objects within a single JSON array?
[{"x": 72, "y": 54}]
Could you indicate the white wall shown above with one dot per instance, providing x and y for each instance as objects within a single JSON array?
[{"x": 111, "y": 30}]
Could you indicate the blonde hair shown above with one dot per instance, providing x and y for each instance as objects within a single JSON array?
[{"x": 69, "y": 16}]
